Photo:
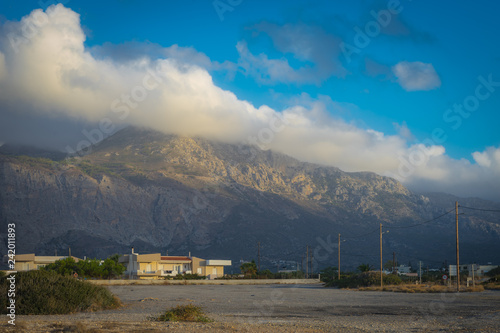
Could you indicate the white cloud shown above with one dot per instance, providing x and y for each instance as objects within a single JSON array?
[
  {"x": 316, "y": 51},
  {"x": 461, "y": 177},
  {"x": 54, "y": 75},
  {"x": 414, "y": 76},
  {"x": 132, "y": 51},
  {"x": 489, "y": 158},
  {"x": 268, "y": 71},
  {"x": 404, "y": 131},
  {"x": 482, "y": 159}
]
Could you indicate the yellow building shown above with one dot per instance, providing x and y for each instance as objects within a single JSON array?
[
  {"x": 28, "y": 262},
  {"x": 154, "y": 266}
]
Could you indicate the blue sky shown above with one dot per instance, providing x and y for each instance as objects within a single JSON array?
[{"x": 399, "y": 79}]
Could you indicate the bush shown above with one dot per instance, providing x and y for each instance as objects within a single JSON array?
[
  {"x": 266, "y": 274},
  {"x": 42, "y": 292},
  {"x": 492, "y": 286},
  {"x": 364, "y": 279},
  {"x": 188, "y": 312},
  {"x": 392, "y": 279},
  {"x": 189, "y": 277},
  {"x": 329, "y": 274}
]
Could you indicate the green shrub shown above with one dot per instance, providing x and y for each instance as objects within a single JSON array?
[
  {"x": 329, "y": 274},
  {"x": 265, "y": 274},
  {"x": 392, "y": 279},
  {"x": 189, "y": 277},
  {"x": 188, "y": 312},
  {"x": 42, "y": 292}
]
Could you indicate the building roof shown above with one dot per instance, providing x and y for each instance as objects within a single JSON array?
[
  {"x": 174, "y": 258},
  {"x": 178, "y": 259},
  {"x": 28, "y": 257}
]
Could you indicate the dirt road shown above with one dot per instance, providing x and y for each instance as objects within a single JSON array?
[{"x": 284, "y": 308}]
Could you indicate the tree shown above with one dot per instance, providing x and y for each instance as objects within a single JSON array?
[
  {"x": 115, "y": 257},
  {"x": 249, "y": 268},
  {"x": 389, "y": 265},
  {"x": 111, "y": 268},
  {"x": 328, "y": 274},
  {"x": 365, "y": 268},
  {"x": 90, "y": 268},
  {"x": 266, "y": 274},
  {"x": 66, "y": 266}
]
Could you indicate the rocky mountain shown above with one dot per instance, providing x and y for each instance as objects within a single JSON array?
[{"x": 160, "y": 192}]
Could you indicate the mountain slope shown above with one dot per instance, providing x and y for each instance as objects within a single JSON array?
[{"x": 160, "y": 192}]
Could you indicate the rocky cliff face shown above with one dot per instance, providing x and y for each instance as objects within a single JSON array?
[{"x": 158, "y": 192}]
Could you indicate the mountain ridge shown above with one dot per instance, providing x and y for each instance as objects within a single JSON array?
[{"x": 162, "y": 192}]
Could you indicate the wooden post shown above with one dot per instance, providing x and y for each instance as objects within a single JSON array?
[
  {"x": 258, "y": 255},
  {"x": 458, "y": 255},
  {"x": 381, "y": 279},
  {"x": 307, "y": 261},
  {"x": 339, "y": 260}
]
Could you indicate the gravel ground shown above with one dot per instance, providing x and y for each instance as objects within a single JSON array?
[{"x": 282, "y": 308}]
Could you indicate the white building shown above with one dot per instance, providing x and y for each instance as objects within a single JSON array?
[
  {"x": 403, "y": 269},
  {"x": 480, "y": 270}
]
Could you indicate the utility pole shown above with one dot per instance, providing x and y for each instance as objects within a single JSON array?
[
  {"x": 393, "y": 262},
  {"x": 339, "y": 260},
  {"x": 473, "y": 281},
  {"x": 69, "y": 251},
  {"x": 458, "y": 256},
  {"x": 420, "y": 271},
  {"x": 381, "y": 279},
  {"x": 312, "y": 264},
  {"x": 307, "y": 261},
  {"x": 258, "y": 255}
]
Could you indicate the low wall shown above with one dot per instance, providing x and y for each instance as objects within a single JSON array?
[{"x": 203, "y": 282}]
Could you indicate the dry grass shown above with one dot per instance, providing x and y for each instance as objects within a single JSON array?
[
  {"x": 422, "y": 288},
  {"x": 19, "y": 327},
  {"x": 492, "y": 286},
  {"x": 77, "y": 327}
]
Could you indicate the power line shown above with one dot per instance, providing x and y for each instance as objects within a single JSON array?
[
  {"x": 482, "y": 210},
  {"x": 416, "y": 225},
  {"x": 371, "y": 232},
  {"x": 361, "y": 255}
]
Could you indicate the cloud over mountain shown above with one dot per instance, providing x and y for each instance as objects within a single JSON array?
[{"x": 46, "y": 72}]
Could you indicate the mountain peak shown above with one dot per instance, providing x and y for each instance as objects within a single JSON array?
[{"x": 191, "y": 194}]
